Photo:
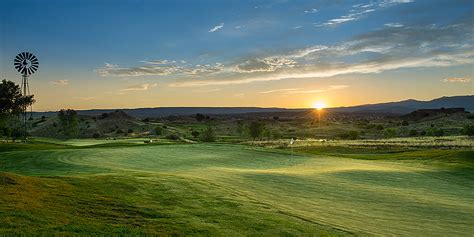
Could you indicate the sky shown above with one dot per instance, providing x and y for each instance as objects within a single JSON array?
[{"x": 141, "y": 53}]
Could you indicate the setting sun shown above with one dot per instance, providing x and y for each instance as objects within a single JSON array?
[{"x": 319, "y": 105}]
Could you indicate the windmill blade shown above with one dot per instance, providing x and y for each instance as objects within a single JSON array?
[
  {"x": 17, "y": 59},
  {"x": 23, "y": 54},
  {"x": 23, "y": 71}
]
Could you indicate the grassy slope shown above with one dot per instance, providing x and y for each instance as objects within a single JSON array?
[{"x": 234, "y": 190}]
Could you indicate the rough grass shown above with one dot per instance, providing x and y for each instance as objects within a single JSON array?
[{"x": 234, "y": 190}]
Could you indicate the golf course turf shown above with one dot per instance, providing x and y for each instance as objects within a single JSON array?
[{"x": 233, "y": 190}]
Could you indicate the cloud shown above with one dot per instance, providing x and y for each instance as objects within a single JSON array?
[
  {"x": 359, "y": 11},
  {"x": 296, "y": 27},
  {"x": 158, "y": 68},
  {"x": 216, "y": 28},
  {"x": 142, "y": 87},
  {"x": 84, "y": 98},
  {"x": 61, "y": 82},
  {"x": 311, "y": 11},
  {"x": 457, "y": 80},
  {"x": 279, "y": 90},
  {"x": 304, "y": 91},
  {"x": 393, "y": 25},
  {"x": 376, "y": 51}
]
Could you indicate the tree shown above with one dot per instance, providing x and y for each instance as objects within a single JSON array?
[
  {"x": 12, "y": 103},
  {"x": 158, "y": 130},
  {"x": 68, "y": 121},
  {"x": 256, "y": 129},
  {"x": 208, "y": 135},
  {"x": 390, "y": 132},
  {"x": 200, "y": 117},
  {"x": 413, "y": 133}
]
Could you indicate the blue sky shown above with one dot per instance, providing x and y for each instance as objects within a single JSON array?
[{"x": 115, "y": 54}]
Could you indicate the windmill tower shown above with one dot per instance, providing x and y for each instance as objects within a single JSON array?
[{"x": 26, "y": 64}]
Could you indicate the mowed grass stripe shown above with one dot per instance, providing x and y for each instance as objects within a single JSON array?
[{"x": 327, "y": 193}]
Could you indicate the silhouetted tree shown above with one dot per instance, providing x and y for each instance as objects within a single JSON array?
[
  {"x": 208, "y": 135},
  {"x": 200, "y": 117},
  {"x": 256, "y": 129},
  {"x": 68, "y": 121},
  {"x": 12, "y": 103}
]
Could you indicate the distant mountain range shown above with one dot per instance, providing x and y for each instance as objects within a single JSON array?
[
  {"x": 400, "y": 107},
  {"x": 408, "y": 106}
]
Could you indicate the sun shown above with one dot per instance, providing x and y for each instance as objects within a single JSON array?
[{"x": 319, "y": 105}]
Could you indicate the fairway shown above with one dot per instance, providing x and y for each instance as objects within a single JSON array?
[{"x": 222, "y": 189}]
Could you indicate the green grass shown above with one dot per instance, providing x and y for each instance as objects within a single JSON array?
[{"x": 234, "y": 190}]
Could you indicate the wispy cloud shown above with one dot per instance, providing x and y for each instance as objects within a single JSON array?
[
  {"x": 279, "y": 90},
  {"x": 216, "y": 28},
  {"x": 394, "y": 25},
  {"x": 311, "y": 11},
  {"x": 359, "y": 11},
  {"x": 457, "y": 80},
  {"x": 60, "y": 82},
  {"x": 376, "y": 51},
  {"x": 84, "y": 98},
  {"x": 142, "y": 87}
]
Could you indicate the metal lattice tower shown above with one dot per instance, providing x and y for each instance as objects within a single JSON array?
[{"x": 26, "y": 63}]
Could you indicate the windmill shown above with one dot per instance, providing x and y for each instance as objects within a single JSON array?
[{"x": 26, "y": 63}]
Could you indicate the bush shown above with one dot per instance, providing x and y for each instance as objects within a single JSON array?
[
  {"x": 470, "y": 116},
  {"x": 468, "y": 130},
  {"x": 200, "y": 117},
  {"x": 351, "y": 135},
  {"x": 119, "y": 131},
  {"x": 379, "y": 127},
  {"x": 405, "y": 123},
  {"x": 130, "y": 130},
  {"x": 208, "y": 135},
  {"x": 172, "y": 137},
  {"x": 96, "y": 135},
  {"x": 195, "y": 134},
  {"x": 159, "y": 131},
  {"x": 413, "y": 132},
  {"x": 390, "y": 132}
]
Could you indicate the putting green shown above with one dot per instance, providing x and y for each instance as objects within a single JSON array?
[{"x": 229, "y": 190}]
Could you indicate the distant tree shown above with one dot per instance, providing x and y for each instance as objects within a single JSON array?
[
  {"x": 146, "y": 120},
  {"x": 405, "y": 123},
  {"x": 119, "y": 131},
  {"x": 390, "y": 132},
  {"x": 130, "y": 130},
  {"x": 439, "y": 132},
  {"x": 96, "y": 135},
  {"x": 468, "y": 130},
  {"x": 267, "y": 133},
  {"x": 68, "y": 122},
  {"x": 158, "y": 130},
  {"x": 43, "y": 118},
  {"x": 200, "y": 117},
  {"x": 240, "y": 128},
  {"x": 256, "y": 129},
  {"x": 195, "y": 134},
  {"x": 276, "y": 118},
  {"x": 208, "y": 135},
  {"x": 413, "y": 133},
  {"x": 379, "y": 127}
]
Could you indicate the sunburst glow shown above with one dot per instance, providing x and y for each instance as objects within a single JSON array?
[{"x": 319, "y": 105}]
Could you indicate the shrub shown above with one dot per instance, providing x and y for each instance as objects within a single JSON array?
[
  {"x": 468, "y": 130},
  {"x": 413, "y": 132},
  {"x": 96, "y": 135},
  {"x": 405, "y": 123},
  {"x": 130, "y": 130},
  {"x": 200, "y": 117},
  {"x": 390, "y": 132},
  {"x": 379, "y": 127},
  {"x": 119, "y": 131},
  {"x": 351, "y": 135},
  {"x": 172, "y": 137},
  {"x": 159, "y": 131},
  {"x": 470, "y": 116},
  {"x": 195, "y": 134}
]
